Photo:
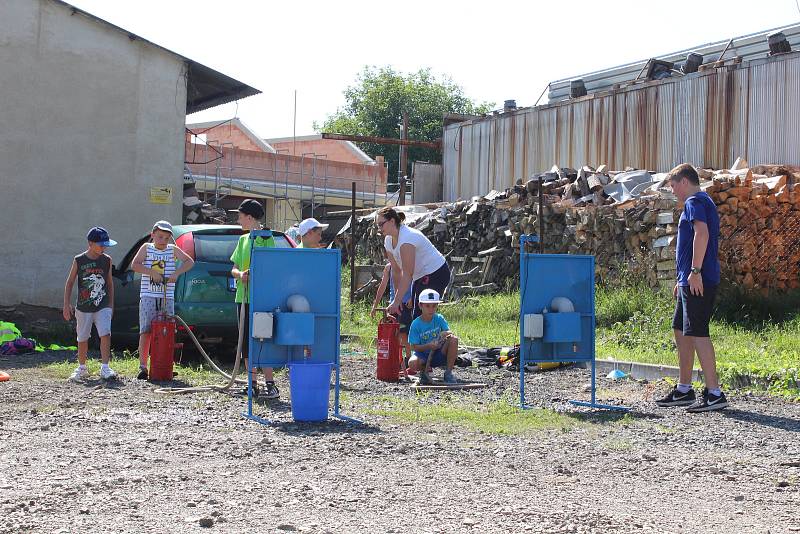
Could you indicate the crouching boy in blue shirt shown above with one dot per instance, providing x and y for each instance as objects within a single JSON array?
[{"x": 433, "y": 343}]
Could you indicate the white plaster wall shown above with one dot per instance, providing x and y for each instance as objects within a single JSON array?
[{"x": 89, "y": 121}]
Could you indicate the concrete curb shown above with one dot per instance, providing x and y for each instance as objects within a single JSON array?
[{"x": 639, "y": 371}]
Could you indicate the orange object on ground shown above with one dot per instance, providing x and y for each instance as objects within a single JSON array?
[{"x": 4, "y": 377}]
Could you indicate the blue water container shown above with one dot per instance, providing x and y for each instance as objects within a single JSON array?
[{"x": 309, "y": 385}]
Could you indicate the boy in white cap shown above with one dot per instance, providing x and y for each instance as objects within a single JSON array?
[
  {"x": 311, "y": 233},
  {"x": 433, "y": 343}
]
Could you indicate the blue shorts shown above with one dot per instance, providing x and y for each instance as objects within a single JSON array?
[{"x": 439, "y": 359}]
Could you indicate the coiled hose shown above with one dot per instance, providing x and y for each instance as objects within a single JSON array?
[{"x": 231, "y": 378}]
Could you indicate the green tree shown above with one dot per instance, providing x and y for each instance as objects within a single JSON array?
[{"x": 375, "y": 104}]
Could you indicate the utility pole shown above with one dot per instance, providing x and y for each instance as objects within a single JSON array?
[
  {"x": 294, "y": 126},
  {"x": 403, "y": 169}
]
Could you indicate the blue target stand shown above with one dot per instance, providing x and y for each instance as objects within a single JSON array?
[
  {"x": 557, "y": 317},
  {"x": 280, "y": 278}
]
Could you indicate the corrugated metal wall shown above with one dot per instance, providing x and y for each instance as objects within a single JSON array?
[{"x": 707, "y": 119}]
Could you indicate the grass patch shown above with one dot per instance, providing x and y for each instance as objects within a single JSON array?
[
  {"x": 127, "y": 365},
  {"x": 757, "y": 338},
  {"x": 617, "y": 444},
  {"x": 499, "y": 418}
]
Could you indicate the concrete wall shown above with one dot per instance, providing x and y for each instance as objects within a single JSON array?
[{"x": 90, "y": 122}]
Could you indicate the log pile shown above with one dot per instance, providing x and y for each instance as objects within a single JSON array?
[{"x": 759, "y": 212}]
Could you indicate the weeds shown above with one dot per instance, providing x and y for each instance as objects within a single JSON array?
[
  {"x": 757, "y": 338},
  {"x": 127, "y": 365},
  {"x": 498, "y": 418}
]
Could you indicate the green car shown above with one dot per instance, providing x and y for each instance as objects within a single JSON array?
[{"x": 203, "y": 296}]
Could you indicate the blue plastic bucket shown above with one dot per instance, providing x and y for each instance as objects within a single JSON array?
[{"x": 309, "y": 385}]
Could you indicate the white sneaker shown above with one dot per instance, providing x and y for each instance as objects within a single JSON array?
[
  {"x": 80, "y": 374},
  {"x": 107, "y": 373}
]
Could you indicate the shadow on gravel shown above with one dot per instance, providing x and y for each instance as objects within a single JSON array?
[
  {"x": 604, "y": 417},
  {"x": 774, "y": 421},
  {"x": 35, "y": 359},
  {"x": 331, "y": 426},
  {"x": 95, "y": 383}
]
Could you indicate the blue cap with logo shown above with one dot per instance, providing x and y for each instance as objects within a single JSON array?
[{"x": 99, "y": 235}]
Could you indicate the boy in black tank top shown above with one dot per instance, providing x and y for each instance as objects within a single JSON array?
[{"x": 95, "y": 302}]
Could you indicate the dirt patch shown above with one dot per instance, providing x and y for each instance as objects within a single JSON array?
[
  {"x": 42, "y": 323},
  {"x": 89, "y": 458}
]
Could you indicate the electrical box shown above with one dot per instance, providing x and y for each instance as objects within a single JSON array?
[
  {"x": 533, "y": 326},
  {"x": 262, "y": 325}
]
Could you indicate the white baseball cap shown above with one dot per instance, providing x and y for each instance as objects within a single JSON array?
[
  {"x": 309, "y": 224},
  {"x": 429, "y": 296}
]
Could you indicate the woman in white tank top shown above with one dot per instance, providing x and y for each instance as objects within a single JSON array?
[{"x": 415, "y": 261}]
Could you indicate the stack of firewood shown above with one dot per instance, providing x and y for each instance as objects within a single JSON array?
[
  {"x": 759, "y": 241},
  {"x": 759, "y": 211}
]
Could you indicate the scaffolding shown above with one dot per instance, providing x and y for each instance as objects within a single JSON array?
[{"x": 287, "y": 191}]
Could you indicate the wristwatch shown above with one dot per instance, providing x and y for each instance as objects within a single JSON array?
[{"x": 696, "y": 270}]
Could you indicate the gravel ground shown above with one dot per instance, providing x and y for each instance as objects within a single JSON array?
[{"x": 89, "y": 458}]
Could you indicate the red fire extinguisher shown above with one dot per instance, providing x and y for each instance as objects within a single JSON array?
[
  {"x": 389, "y": 353},
  {"x": 162, "y": 347}
]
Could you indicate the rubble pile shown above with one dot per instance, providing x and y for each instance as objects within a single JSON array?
[
  {"x": 627, "y": 220},
  {"x": 195, "y": 211}
]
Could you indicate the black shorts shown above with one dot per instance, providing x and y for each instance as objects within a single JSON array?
[
  {"x": 438, "y": 280},
  {"x": 405, "y": 317},
  {"x": 693, "y": 312}
]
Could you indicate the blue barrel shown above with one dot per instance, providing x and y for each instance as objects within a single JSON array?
[{"x": 310, "y": 386}]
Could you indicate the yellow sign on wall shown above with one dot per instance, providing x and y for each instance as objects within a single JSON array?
[{"x": 161, "y": 195}]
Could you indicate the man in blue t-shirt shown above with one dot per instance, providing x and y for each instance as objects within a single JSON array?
[
  {"x": 698, "y": 275},
  {"x": 433, "y": 343}
]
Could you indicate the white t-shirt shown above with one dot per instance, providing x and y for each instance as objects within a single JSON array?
[{"x": 426, "y": 260}]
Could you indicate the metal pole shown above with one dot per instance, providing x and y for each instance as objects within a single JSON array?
[
  {"x": 541, "y": 95},
  {"x": 725, "y": 50},
  {"x": 313, "y": 182},
  {"x": 541, "y": 215},
  {"x": 352, "y": 248},
  {"x": 294, "y": 126},
  {"x": 401, "y": 200}
]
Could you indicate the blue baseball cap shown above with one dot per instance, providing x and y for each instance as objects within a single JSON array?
[{"x": 100, "y": 236}]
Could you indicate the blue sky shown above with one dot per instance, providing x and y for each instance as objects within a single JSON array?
[{"x": 495, "y": 50}]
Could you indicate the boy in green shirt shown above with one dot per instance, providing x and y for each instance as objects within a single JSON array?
[{"x": 250, "y": 214}]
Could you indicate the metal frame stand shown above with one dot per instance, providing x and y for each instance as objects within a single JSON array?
[
  {"x": 336, "y": 364},
  {"x": 522, "y": 360}
]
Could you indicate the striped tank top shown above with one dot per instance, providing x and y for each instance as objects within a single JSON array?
[{"x": 163, "y": 262}]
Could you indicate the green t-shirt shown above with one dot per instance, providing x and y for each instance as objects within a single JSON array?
[{"x": 241, "y": 259}]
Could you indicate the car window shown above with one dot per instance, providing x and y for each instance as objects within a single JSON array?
[
  {"x": 219, "y": 248},
  {"x": 214, "y": 248},
  {"x": 281, "y": 241}
]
